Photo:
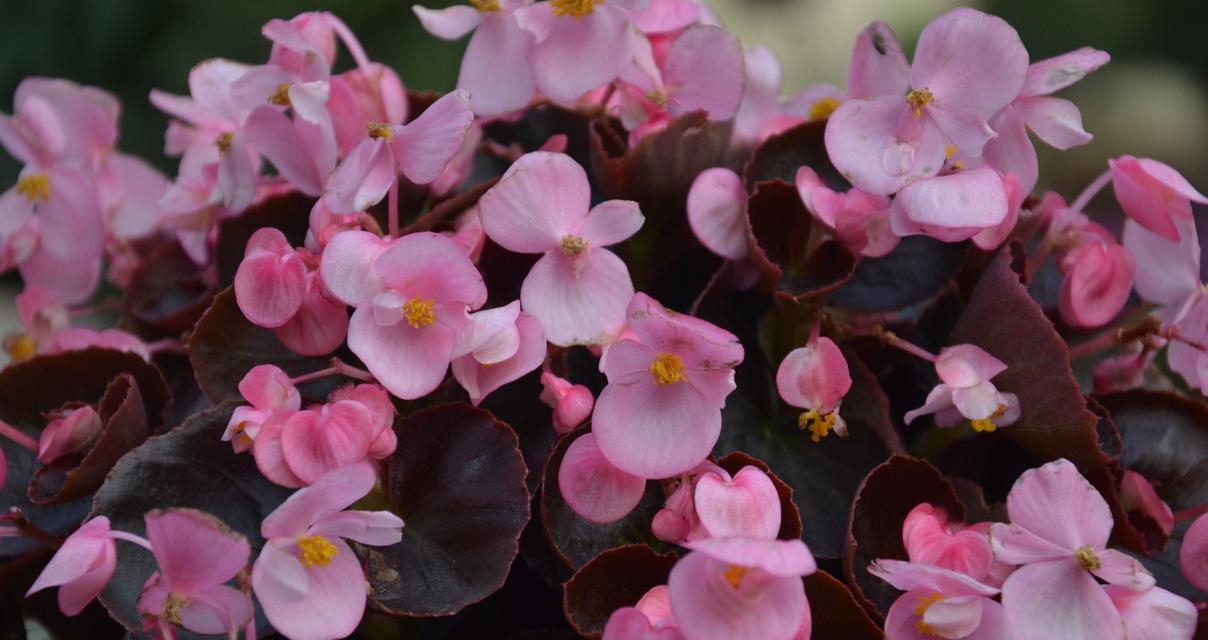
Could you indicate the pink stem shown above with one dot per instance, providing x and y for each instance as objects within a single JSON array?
[
  {"x": 351, "y": 43},
  {"x": 130, "y": 537},
  {"x": 815, "y": 332},
  {"x": 314, "y": 375},
  {"x": 166, "y": 345},
  {"x": 893, "y": 340},
  {"x": 338, "y": 368},
  {"x": 1091, "y": 190},
  {"x": 16, "y": 435},
  {"x": 32, "y": 531},
  {"x": 393, "y": 211},
  {"x": 1191, "y": 512},
  {"x": 1113, "y": 338}
]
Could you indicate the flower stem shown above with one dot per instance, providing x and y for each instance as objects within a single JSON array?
[
  {"x": 130, "y": 537},
  {"x": 166, "y": 345},
  {"x": 393, "y": 210},
  {"x": 32, "y": 531},
  {"x": 1091, "y": 190},
  {"x": 1113, "y": 338},
  {"x": 17, "y": 436},
  {"x": 890, "y": 338},
  {"x": 338, "y": 368}
]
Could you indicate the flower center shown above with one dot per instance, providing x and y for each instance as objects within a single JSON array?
[
  {"x": 657, "y": 97},
  {"x": 280, "y": 97},
  {"x": 1087, "y": 558},
  {"x": 819, "y": 424},
  {"x": 240, "y": 432},
  {"x": 734, "y": 575},
  {"x": 921, "y": 608},
  {"x": 21, "y": 348},
  {"x": 576, "y": 8},
  {"x": 223, "y": 141},
  {"x": 572, "y": 245},
  {"x": 379, "y": 130},
  {"x": 667, "y": 368},
  {"x": 486, "y": 6},
  {"x": 419, "y": 313},
  {"x": 172, "y": 606},
  {"x": 35, "y": 186},
  {"x": 317, "y": 551},
  {"x": 823, "y": 108},
  {"x": 987, "y": 425},
  {"x": 919, "y": 99}
]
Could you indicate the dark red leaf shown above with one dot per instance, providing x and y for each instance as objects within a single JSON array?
[
  {"x": 836, "y": 614},
  {"x": 289, "y": 213},
  {"x": 779, "y": 157},
  {"x": 616, "y": 578},
  {"x": 167, "y": 292}
]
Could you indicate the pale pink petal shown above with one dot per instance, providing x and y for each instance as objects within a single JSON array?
[
  {"x": 377, "y": 528},
  {"x": 332, "y": 606},
  {"x": 760, "y": 97},
  {"x": 495, "y": 67},
  {"x": 866, "y": 144},
  {"x": 274, "y": 136},
  {"x": 1153, "y": 194},
  {"x": 237, "y": 173},
  {"x": 629, "y": 623},
  {"x": 1058, "y": 600},
  {"x": 1193, "y": 555},
  {"x": 668, "y": 16},
  {"x": 258, "y": 85},
  {"x": 278, "y": 574},
  {"x": 541, "y": 198},
  {"x": 431, "y": 266},
  {"x": 968, "y": 132},
  {"x": 593, "y": 487},
  {"x": 81, "y": 567},
  {"x": 993, "y": 237},
  {"x": 654, "y": 430},
  {"x": 216, "y": 610},
  {"x": 194, "y": 550},
  {"x": 902, "y": 620},
  {"x": 1054, "y": 120},
  {"x": 930, "y": 539},
  {"x": 266, "y": 450},
  {"x": 972, "y": 62},
  {"x": 1122, "y": 570},
  {"x": 782, "y": 558},
  {"x": 954, "y": 617},
  {"x": 1167, "y": 273},
  {"x": 577, "y": 300},
  {"x": 878, "y": 66},
  {"x": 746, "y": 506},
  {"x": 409, "y": 362},
  {"x": 578, "y": 55},
  {"x": 966, "y": 365},
  {"x": 1057, "y": 504},
  {"x": 319, "y": 327},
  {"x": 74, "y": 281},
  {"x": 316, "y": 442},
  {"x": 708, "y": 607},
  {"x": 701, "y": 345},
  {"x": 717, "y": 212},
  {"x": 450, "y": 23},
  {"x": 137, "y": 212},
  {"x": 484, "y": 326},
  {"x": 481, "y": 378},
  {"x": 610, "y": 222},
  {"x": 269, "y": 288},
  {"x": 362, "y": 179},
  {"x": 1012, "y": 152},
  {"x": 910, "y": 576},
  {"x": 951, "y": 208},
  {"x": 1054, "y": 74},
  {"x": 329, "y": 494},
  {"x": 425, "y": 145},
  {"x": 1156, "y": 614},
  {"x": 78, "y": 593},
  {"x": 1185, "y": 359},
  {"x": 814, "y": 377},
  {"x": 705, "y": 70},
  {"x": 347, "y": 266}
]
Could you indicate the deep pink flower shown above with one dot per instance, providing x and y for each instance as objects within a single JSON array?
[
  {"x": 381, "y": 412},
  {"x": 572, "y": 403},
  {"x": 1137, "y": 494},
  {"x": 629, "y": 623},
  {"x": 952, "y": 207},
  {"x": 498, "y": 346},
  {"x": 741, "y": 589},
  {"x": 81, "y": 567},
  {"x": 578, "y": 289},
  {"x": 968, "y": 66},
  {"x": 268, "y": 391},
  {"x": 660, "y": 414},
  {"x": 931, "y": 538},
  {"x": 965, "y": 391},
  {"x": 940, "y": 603},
  {"x": 1193, "y": 555},
  {"x": 412, "y": 297},
  {"x": 745, "y": 505},
  {"x": 308, "y": 581},
  {"x": 1059, "y": 530},
  {"x": 197, "y": 556},
  {"x": 593, "y": 487},
  {"x": 815, "y": 378},
  {"x": 271, "y": 281},
  {"x": 1156, "y": 614},
  {"x": 1153, "y": 194},
  {"x": 495, "y": 69},
  {"x": 1098, "y": 279},
  {"x": 859, "y": 220},
  {"x": 70, "y": 432}
]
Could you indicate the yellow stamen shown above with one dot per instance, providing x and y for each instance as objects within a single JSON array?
[
  {"x": 819, "y": 424},
  {"x": 949, "y": 151},
  {"x": 823, "y": 108},
  {"x": 21, "y": 348},
  {"x": 576, "y": 8},
  {"x": 486, "y": 6},
  {"x": 657, "y": 97},
  {"x": 921, "y": 608},
  {"x": 280, "y": 97},
  {"x": 379, "y": 130},
  {"x": 316, "y": 551},
  {"x": 223, "y": 141},
  {"x": 1088, "y": 558},
  {"x": 667, "y": 368},
  {"x": 419, "y": 313},
  {"x": 734, "y": 575},
  {"x": 172, "y": 606},
  {"x": 572, "y": 245},
  {"x": 987, "y": 425},
  {"x": 919, "y": 99},
  {"x": 35, "y": 186}
]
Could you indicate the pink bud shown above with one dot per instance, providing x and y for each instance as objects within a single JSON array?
[
  {"x": 1137, "y": 494},
  {"x": 572, "y": 403},
  {"x": 72, "y": 433},
  {"x": 669, "y": 526}
]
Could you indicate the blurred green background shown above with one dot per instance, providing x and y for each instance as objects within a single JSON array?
[{"x": 1152, "y": 100}]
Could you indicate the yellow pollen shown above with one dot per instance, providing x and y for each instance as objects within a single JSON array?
[
  {"x": 921, "y": 608},
  {"x": 1087, "y": 558},
  {"x": 21, "y": 348},
  {"x": 823, "y": 108},
  {"x": 317, "y": 551},
  {"x": 379, "y": 130},
  {"x": 35, "y": 186},
  {"x": 667, "y": 368},
  {"x": 572, "y": 245},
  {"x": 172, "y": 606},
  {"x": 734, "y": 575},
  {"x": 819, "y": 424},
  {"x": 486, "y": 6},
  {"x": 223, "y": 141},
  {"x": 919, "y": 99},
  {"x": 280, "y": 97},
  {"x": 657, "y": 97},
  {"x": 419, "y": 313},
  {"x": 987, "y": 425},
  {"x": 949, "y": 151},
  {"x": 576, "y": 8}
]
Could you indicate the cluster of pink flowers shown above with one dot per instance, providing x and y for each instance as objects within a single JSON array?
[{"x": 935, "y": 147}]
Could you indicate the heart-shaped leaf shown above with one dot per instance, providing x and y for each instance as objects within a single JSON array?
[{"x": 616, "y": 578}]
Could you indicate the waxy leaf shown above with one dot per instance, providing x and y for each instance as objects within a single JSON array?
[
  {"x": 784, "y": 248},
  {"x": 167, "y": 292},
  {"x": 779, "y": 157},
  {"x": 919, "y": 269},
  {"x": 835, "y": 613},
  {"x": 616, "y": 578}
]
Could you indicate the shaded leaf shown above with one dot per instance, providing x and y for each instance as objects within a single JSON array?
[
  {"x": 289, "y": 213},
  {"x": 167, "y": 291},
  {"x": 919, "y": 269},
  {"x": 779, "y": 157},
  {"x": 616, "y": 578},
  {"x": 784, "y": 248},
  {"x": 836, "y": 614}
]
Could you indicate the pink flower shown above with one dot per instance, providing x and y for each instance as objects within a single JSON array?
[
  {"x": 1168, "y": 273},
  {"x": 967, "y": 67},
  {"x": 1137, "y": 494},
  {"x": 952, "y": 207},
  {"x": 580, "y": 44},
  {"x": 361, "y": 96},
  {"x": 745, "y": 505},
  {"x": 76, "y": 338},
  {"x": 497, "y": 347},
  {"x": 1054, "y": 120},
  {"x": 965, "y": 391},
  {"x": 717, "y": 213},
  {"x": 931, "y": 538},
  {"x": 1098, "y": 278},
  {"x": 308, "y": 581},
  {"x": 578, "y": 289},
  {"x": 412, "y": 297},
  {"x": 1058, "y": 532},
  {"x": 271, "y": 280},
  {"x": 269, "y": 391},
  {"x": 593, "y": 487},
  {"x": 197, "y": 555},
  {"x": 419, "y": 149},
  {"x": 1153, "y": 194},
  {"x": 939, "y": 603},
  {"x": 815, "y": 378},
  {"x": 1156, "y": 614},
  {"x": 660, "y": 414},
  {"x": 495, "y": 69},
  {"x": 763, "y": 112},
  {"x": 677, "y": 520},
  {"x": 70, "y": 432},
  {"x": 630, "y": 623},
  {"x": 859, "y": 220},
  {"x": 381, "y": 413},
  {"x": 298, "y": 448},
  {"x": 81, "y": 567},
  {"x": 1193, "y": 555},
  {"x": 572, "y": 403},
  {"x": 741, "y": 589}
]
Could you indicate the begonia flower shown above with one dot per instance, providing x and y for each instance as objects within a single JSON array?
[
  {"x": 858, "y": 220},
  {"x": 745, "y": 505},
  {"x": 931, "y": 538},
  {"x": 57, "y": 120},
  {"x": 70, "y": 432},
  {"x": 894, "y": 131},
  {"x": 965, "y": 391},
  {"x": 1153, "y": 194},
  {"x": 578, "y": 289},
  {"x": 741, "y": 589},
  {"x": 1156, "y": 614},
  {"x": 1058, "y": 532},
  {"x": 360, "y": 96},
  {"x": 1098, "y": 279},
  {"x": 717, "y": 215},
  {"x": 763, "y": 112},
  {"x": 594, "y": 488},
  {"x": 952, "y": 207},
  {"x": 197, "y": 556},
  {"x": 939, "y": 603},
  {"x": 498, "y": 346},
  {"x": 381, "y": 412},
  {"x": 268, "y": 391},
  {"x": 1193, "y": 555},
  {"x": 271, "y": 281},
  {"x": 572, "y": 403},
  {"x": 815, "y": 378},
  {"x": 495, "y": 68},
  {"x": 81, "y": 567},
  {"x": 660, "y": 413},
  {"x": 300, "y": 447},
  {"x": 629, "y": 623},
  {"x": 677, "y": 520},
  {"x": 1138, "y": 495},
  {"x": 308, "y": 581}
]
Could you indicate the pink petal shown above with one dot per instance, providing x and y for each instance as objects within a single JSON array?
[
  {"x": 1012, "y": 151},
  {"x": 484, "y": 326},
  {"x": 137, "y": 212},
  {"x": 316, "y": 442},
  {"x": 216, "y": 610},
  {"x": 450, "y": 23},
  {"x": 480, "y": 378},
  {"x": 329, "y": 494},
  {"x": 267, "y": 451},
  {"x": 431, "y": 266},
  {"x": 814, "y": 377},
  {"x": 409, "y": 362},
  {"x": 237, "y": 173},
  {"x": 332, "y": 606},
  {"x": 73, "y": 433},
  {"x": 717, "y": 212},
  {"x": 610, "y": 222},
  {"x": 938, "y": 400},
  {"x": 347, "y": 266},
  {"x": 866, "y": 145},
  {"x": 630, "y": 624},
  {"x": 270, "y": 287},
  {"x": 1097, "y": 283},
  {"x": 878, "y": 66},
  {"x": 495, "y": 68},
  {"x": 278, "y": 574},
  {"x": 1058, "y": 122},
  {"x": 707, "y": 607},
  {"x": 318, "y": 328},
  {"x": 1153, "y": 194},
  {"x": 701, "y": 345},
  {"x": 1167, "y": 273},
  {"x": 966, "y": 365},
  {"x": 579, "y": 54},
  {"x": 930, "y": 539},
  {"x": 362, "y": 179},
  {"x": 1057, "y": 504},
  {"x": 781, "y": 558},
  {"x": 654, "y": 430},
  {"x": 911, "y": 576},
  {"x": 1185, "y": 359},
  {"x": 1058, "y": 600},
  {"x": 705, "y": 70},
  {"x": 1156, "y": 614},
  {"x": 272, "y": 134},
  {"x": 376, "y": 528},
  {"x": 593, "y": 487},
  {"x": 954, "y": 617},
  {"x": 81, "y": 567},
  {"x": 972, "y": 62},
  {"x": 1193, "y": 555},
  {"x": 901, "y": 622},
  {"x": 1122, "y": 570},
  {"x": 426, "y": 144},
  {"x": 194, "y": 550},
  {"x": 968, "y": 132},
  {"x": 1056, "y": 73},
  {"x": 541, "y": 198},
  {"x": 746, "y": 506},
  {"x": 951, "y": 208},
  {"x": 577, "y": 300}
]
